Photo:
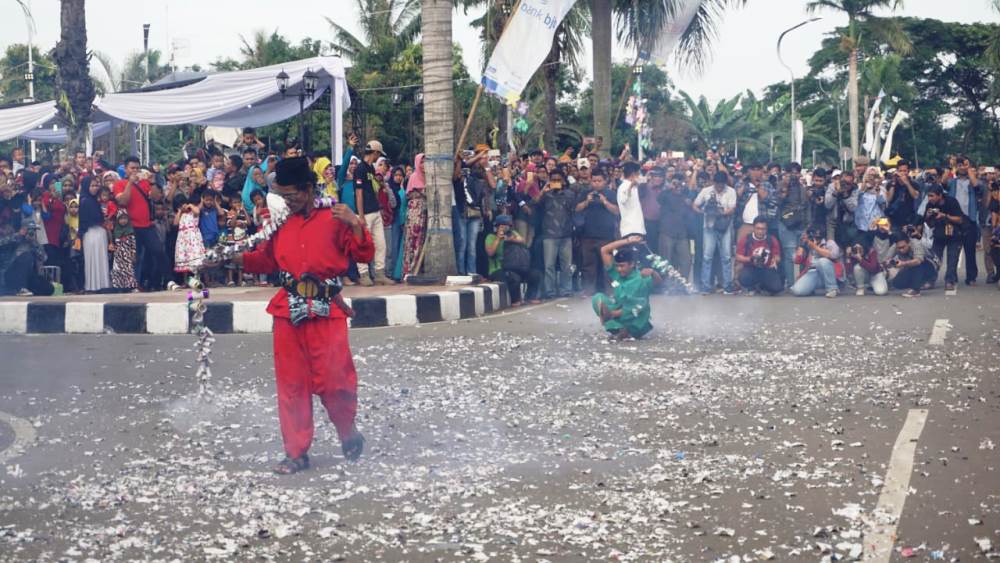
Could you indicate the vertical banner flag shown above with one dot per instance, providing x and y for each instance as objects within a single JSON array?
[
  {"x": 800, "y": 134},
  {"x": 523, "y": 46},
  {"x": 887, "y": 150},
  {"x": 672, "y": 31},
  {"x": 870, "y": 124}
]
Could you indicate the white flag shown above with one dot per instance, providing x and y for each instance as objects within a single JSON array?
[
  {"x": 672, "y": 32},
  {"x": 523, "y": 46},
  {"x": 800, "y": 133},
  {"x": 887, "y": 150},
  {"x": 870, "y": 124}
]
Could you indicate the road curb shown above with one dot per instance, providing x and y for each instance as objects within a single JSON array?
[{"x": 242, "y": 317}]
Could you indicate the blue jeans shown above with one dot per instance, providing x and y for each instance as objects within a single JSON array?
[
  {"x": 458, "y": 238},
  {"x": 561, "y": 249},
  {"x": 822, "y": 274},
  {"x": 723, "y": 242},
  {"x": 465, "y": 244},
  {"x": 789, "y": 240}
]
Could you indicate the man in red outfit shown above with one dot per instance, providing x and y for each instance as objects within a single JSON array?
[{"x": 311, "y": 352}]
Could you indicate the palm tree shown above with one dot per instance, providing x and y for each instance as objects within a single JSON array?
[
  {"x": 600, "y": 13},
  {"x": 75, "y": 87},
  {"x": 385, "y": 24},
  {"x": 566, "y": 48},
  {"x": 861, "y": 20},
  {"x": 439, "y": 133},
  {"x": 639, "y": 23},
  {"x": 726, "y": 122}
]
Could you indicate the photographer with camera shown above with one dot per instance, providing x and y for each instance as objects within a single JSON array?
[
  {"x": 717, "y": 203},
  {"x": 819, "y": 259},
  {"x": 675, "y": 218},
  {"x": 871, "y": 206},
  {"x": 792, "y": 198},
  {"x": 864, "y": 262},
  {"x": 816, "y": 203},
  {"x": 510, "y": 261},
  {"x": 626, "y": 312},
  {"x": 909, "y": 265},
  {"x": 841, "y": 202},
  {"x": 556, "y": 203},
  {"x": 596, "y": 221},
  {"x": 759, "y": 254},
  {"x": 135, "y": 194},
  {"x": 990, "y": 221},
  {"x": 967, "y": 189},
  {"x": 945, "y": 217},
  {"x": 902, "y": 195}
]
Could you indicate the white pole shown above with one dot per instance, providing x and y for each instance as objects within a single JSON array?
[
  {"x": 31, "y": 71},
  {"x": 792, "y": 139}
]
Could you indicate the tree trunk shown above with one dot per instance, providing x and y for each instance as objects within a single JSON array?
[
  {"x": 600, "y": 11},
  {"x": 439, "y": 139},
  {"x": 550, "y": 71},
  {"x": 852, "y": 94},
  {"x": 75, "y": 89}
]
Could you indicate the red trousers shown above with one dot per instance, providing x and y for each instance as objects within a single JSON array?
[{"x": 313, "y": 358}]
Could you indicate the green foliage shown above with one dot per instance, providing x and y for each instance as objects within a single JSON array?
[{"x": 14, "y": 65}]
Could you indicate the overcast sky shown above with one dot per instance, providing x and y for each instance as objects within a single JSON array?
[{"x": 744, "y": 55}]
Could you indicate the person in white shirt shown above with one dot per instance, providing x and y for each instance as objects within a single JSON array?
[
  {"x": 632, "y": 222},
  {"x": 717, "y": 203}
]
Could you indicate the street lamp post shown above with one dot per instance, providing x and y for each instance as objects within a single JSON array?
[
  {"x": 306, "y": 92},
  {"x": 30, "y": 75},
  {"x": 792, "y": 75}
]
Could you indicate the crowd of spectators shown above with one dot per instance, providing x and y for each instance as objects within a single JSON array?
[{"x": 535, "y": 220}]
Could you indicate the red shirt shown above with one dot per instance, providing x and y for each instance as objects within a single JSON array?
[
  {"x": 57, "y": 217},
  {"x": 138, "y": 209},
  {"x": 748, "y": 244},
  {"x": 318, "y": 244}
]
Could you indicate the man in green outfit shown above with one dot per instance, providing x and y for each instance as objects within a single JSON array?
[{"x": 626, "y": 313}]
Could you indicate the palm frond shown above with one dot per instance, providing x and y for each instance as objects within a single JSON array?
[{"x": 109, "y": 69}]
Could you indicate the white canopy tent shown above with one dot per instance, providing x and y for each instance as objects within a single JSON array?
[{"x": 246, "y": 98}]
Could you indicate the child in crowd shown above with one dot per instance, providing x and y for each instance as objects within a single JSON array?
[
  {"x": 261, "y": 215},
  {"x": 190, "y": 250},
  {"x": 73, "y": 243},
  {"x": 123, "y": 246},
  {"x": 626, "y": 313},
  {"x": 237, "y": 222}
]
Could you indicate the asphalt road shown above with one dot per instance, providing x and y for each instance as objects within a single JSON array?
[{"x": 740, "y": 429}]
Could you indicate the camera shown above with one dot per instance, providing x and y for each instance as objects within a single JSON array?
[
  {"x": 913, "y": 231},
  {"x": 760, "y": 257},
  {"x": 892, "y": 263},
  {"x": 712, "y": 207}
]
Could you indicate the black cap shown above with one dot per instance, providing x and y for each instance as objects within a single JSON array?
[{"x": 293, "y": 171}]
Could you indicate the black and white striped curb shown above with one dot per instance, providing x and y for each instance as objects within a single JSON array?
[{"x": 223, "y": 317}]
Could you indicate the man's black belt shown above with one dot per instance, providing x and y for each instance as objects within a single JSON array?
[{"x": 309, "y": 286}]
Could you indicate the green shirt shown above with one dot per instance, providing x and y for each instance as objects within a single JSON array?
[
  {"x": 631, "y": 295},
  {"x": 495, "y": 262}
]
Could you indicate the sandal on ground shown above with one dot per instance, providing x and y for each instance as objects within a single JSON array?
[
  {"x": 353, "y": 446},
  {"x": 291, "y": 465}
]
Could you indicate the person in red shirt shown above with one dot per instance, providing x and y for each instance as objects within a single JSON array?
[
  {"x": 312, "y": 354},
  {"x": 134, "y": 193},
  {"x": 760, "y": 254}
]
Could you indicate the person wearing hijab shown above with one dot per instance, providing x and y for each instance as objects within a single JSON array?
[
  {"x": 415, "y": 226},
  {"x": 326, "y": 182},
  {"x": 256, "y": 180},
  {"x": 94, "y": 237},
  {"x": 394, "y": 194},
  {"x": 123, "y": 268}
]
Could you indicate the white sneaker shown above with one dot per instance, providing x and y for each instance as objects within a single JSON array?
[
  {"x": 831, "y": 294},
  {"x": 860, "y": 292}
]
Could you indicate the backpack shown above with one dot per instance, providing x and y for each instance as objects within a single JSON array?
[{"x": 516, "y": 257}]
